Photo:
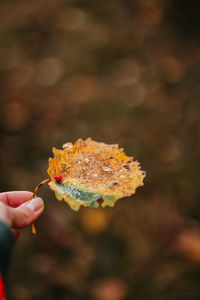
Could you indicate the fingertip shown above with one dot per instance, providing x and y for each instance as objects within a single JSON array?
[
  {"x": 28, "y": 212},
  {"x": 36, "y": 204}
]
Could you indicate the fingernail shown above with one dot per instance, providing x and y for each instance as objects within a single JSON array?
[{"x": 35, "y": 204}]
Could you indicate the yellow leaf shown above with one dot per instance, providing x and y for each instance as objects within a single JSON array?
[{"x": 88, "y": 171}]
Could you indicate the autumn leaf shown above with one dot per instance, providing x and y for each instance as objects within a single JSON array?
[{"x": 82, "y": 173}]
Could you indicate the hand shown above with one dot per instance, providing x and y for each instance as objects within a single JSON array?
[{"x": 18, "y": 209}]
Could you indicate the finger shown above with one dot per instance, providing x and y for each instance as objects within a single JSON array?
[
  {"x": 14, "y": 199},
  {"x": 5, "y": 214},
  {"x": 27, "y": 213}
]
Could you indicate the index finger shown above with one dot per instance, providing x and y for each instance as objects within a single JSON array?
[{"x": 16, "y": 198}]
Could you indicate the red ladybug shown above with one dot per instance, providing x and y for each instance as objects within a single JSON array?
[{"x": 58, "y": 178}]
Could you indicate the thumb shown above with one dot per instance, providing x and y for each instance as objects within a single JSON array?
[{"x": 27, "y": 213}]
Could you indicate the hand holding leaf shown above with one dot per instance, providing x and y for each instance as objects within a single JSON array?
[{"x": 82, "y": 173}]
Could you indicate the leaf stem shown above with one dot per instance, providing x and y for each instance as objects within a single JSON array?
[
  {"x": 39, "y": 185},
  {"x": 34, "y": 195}
]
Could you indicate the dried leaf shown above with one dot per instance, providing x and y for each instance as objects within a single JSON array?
[{"x": 88, "y": 171}]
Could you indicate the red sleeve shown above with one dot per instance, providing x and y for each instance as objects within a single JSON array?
[
  {"x": 2, "y": 289},
  {"x": 6, "y": 245}
]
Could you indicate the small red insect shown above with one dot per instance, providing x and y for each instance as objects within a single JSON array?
[{"x": 58, "y": 178}]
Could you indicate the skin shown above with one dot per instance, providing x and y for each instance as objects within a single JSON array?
[{"x": 18, "y": 209}]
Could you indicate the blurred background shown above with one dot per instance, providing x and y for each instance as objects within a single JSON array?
[{"x": 123, "y": 72}]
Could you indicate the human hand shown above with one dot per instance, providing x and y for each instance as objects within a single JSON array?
[{"x": 18, "y": 209}]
